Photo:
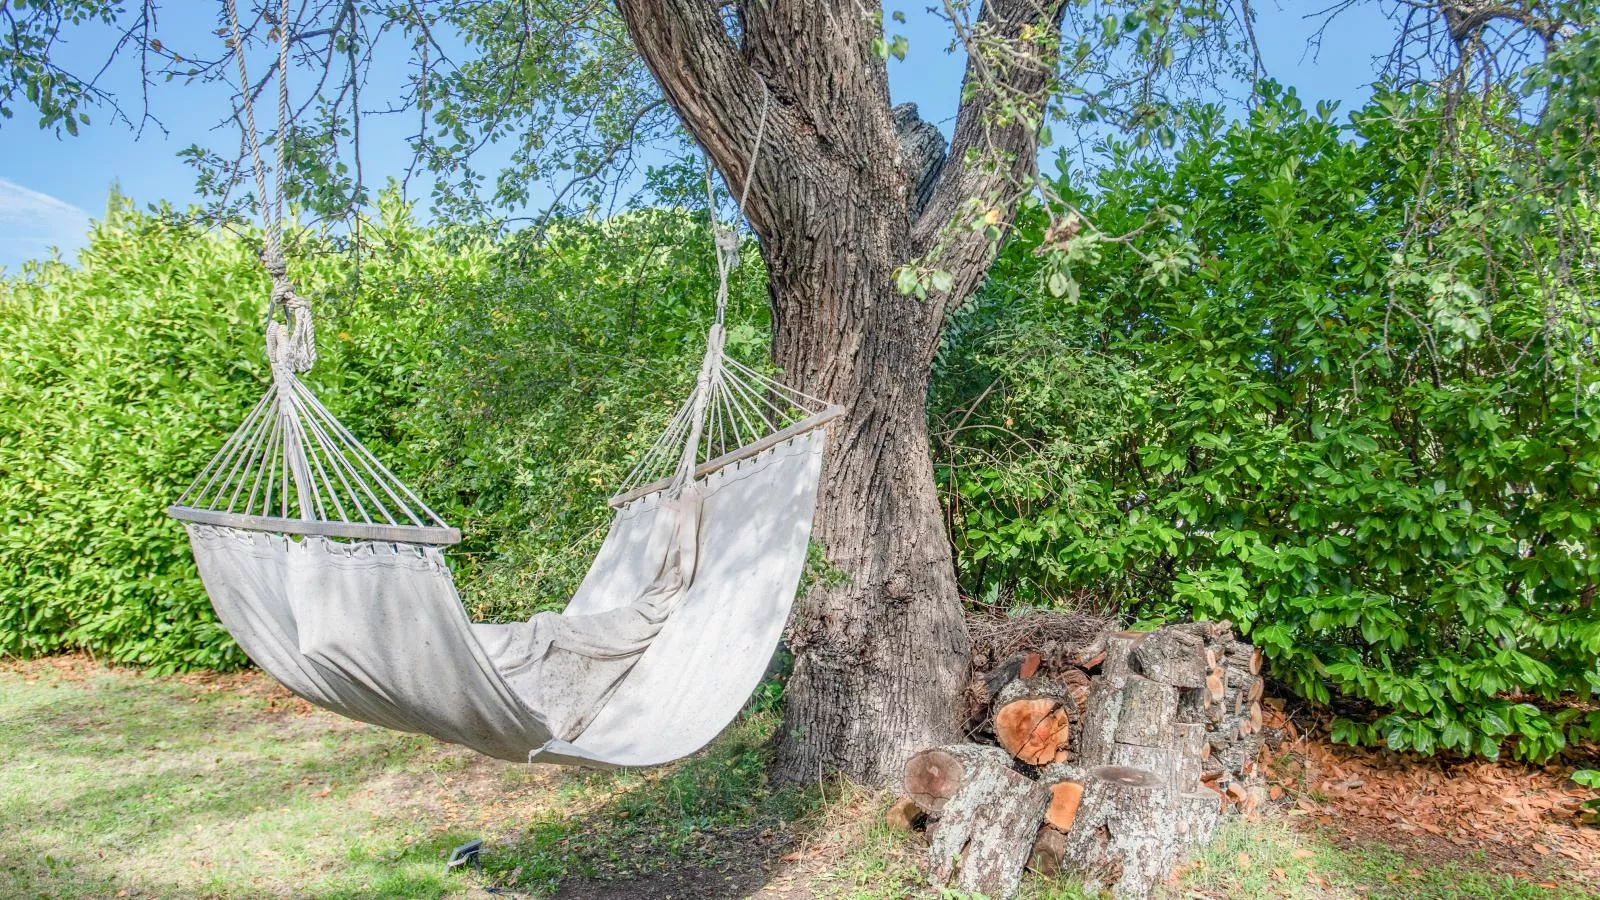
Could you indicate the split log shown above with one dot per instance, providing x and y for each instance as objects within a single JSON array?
[
  {"x": 1173, "y": 656},
  {"x": 1031, "y": 720},
  {"x": 1048, "y": 849},
  {"x": 987, "y": 831},
  {"x": 934, "y": 776}
]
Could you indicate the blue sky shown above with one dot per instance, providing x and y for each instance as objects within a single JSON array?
[{"x": 50, "y": 186}]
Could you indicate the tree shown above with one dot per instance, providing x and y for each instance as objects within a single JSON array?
[{"x": 872, "y": 232}]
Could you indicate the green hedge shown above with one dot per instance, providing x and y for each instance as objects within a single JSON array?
[
  {"x": 123, "y": 374},
  {"x": 1239, "y": 414},
  {"x": 509, "y": 384}
]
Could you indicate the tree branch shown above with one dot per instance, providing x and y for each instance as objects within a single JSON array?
[
  {"x": 708, "y": 83},
  {"x": 1011, "y": 55}
]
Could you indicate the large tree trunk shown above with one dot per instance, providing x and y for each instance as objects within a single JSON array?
[
  {"x": 881, "y": 648},
  {"x": 845, "y": 191}
]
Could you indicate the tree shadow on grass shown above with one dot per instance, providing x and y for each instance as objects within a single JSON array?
[
  {"x": 116, "y": 782},
  {"x": 707, "y": 827}
]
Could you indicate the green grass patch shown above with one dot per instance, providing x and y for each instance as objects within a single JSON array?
[
  {"x": 114, "y": 781},
  {"x": 1269, "y": 859},
  {"x": 713, "y": 812}
]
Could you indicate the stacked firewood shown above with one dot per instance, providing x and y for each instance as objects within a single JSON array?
[{"x": 1111, "y": 759}]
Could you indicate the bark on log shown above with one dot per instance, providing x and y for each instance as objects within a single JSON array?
[
  {"x": 987, "y": 831},
  {"x": 1148, "y": 711},
  {"x": 1104, "y": 703},
  {"x": 1031, "y": 720},
  {"x": 1172, "y": 656},
  {"x": 1121, "y": 832},
  {"x": 934, "y": 776}
]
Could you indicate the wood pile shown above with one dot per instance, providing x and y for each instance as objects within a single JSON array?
[{"x": 1110, "y": 755}]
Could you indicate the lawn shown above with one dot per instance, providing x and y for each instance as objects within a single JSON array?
[{"x": 117, "y": 784}]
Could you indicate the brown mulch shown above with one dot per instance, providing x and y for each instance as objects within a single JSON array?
[{"x": 1523, "y": 820}]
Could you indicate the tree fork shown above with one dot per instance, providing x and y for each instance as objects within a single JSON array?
[{"x": 847, "y": 191}]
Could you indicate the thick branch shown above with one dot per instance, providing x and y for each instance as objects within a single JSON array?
[
  {"x": 715, "y": 93},
  {"x": 1011, "y": 53}
]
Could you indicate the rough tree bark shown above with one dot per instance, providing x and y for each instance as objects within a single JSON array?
[{"x": 844, "y": 193}]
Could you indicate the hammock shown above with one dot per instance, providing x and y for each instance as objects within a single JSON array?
[{"x": 329, "y": 572}]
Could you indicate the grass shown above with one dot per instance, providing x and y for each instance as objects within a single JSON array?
[
  {"x": 114, "y": 784},
  {"x": 1268, "y": 859}
]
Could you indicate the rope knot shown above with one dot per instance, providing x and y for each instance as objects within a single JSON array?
[
  {"x": 291, "y": 346},
  {"x": 727, "y": 241}
]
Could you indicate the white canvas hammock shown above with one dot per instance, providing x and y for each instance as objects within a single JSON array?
[{"x": 328, "y": 570}]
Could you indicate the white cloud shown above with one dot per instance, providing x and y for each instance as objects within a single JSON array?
[{"x": 31, "y": 223}]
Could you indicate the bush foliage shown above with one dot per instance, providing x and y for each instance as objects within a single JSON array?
[
  {"x": 1377, "y": 457},
  {"x": 508, "y": 384},
  {"x": 1264, "y": 409}
]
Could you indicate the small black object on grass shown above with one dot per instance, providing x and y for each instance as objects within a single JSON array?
[{"x": 464, "y": 854}]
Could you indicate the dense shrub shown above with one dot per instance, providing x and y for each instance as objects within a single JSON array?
[
  {"x": 123, "y": 375},
  {"x": 509, "y": 384},
  {"x": 554, "y": 372},
  {"x": 1261, "y": 409}
]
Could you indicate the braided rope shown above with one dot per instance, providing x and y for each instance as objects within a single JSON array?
[
  {"x": 726, "y": 238},
  {"x": 710, "y": 383},
  {"x": 292, "y": 347}
]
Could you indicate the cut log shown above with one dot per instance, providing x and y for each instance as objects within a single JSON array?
[
  {"x": 934, "y": 776},
  {"x": 1065, "y": 798},
  {"x": 1103, "y": 706},
  {"x": 987, "y": 831},
  {"x": 1174, "y": 657},
  {"x": 995, "y": 681},
  {"x": 1122, "y": 831},
  {"x": 1161, "y": 762},
  {"x": 1190, "y": 742},
  {"x": 1242, "y": 664},
  {"x": 1048, "y": 848},
  {"x": 1198, "y": 814},
  {"x": 1031, "y": 720},
  {"x": 1148, "y": 711},
  {"x": 1076, "y": 684},
  {"x": 1194, "y": 705}
]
